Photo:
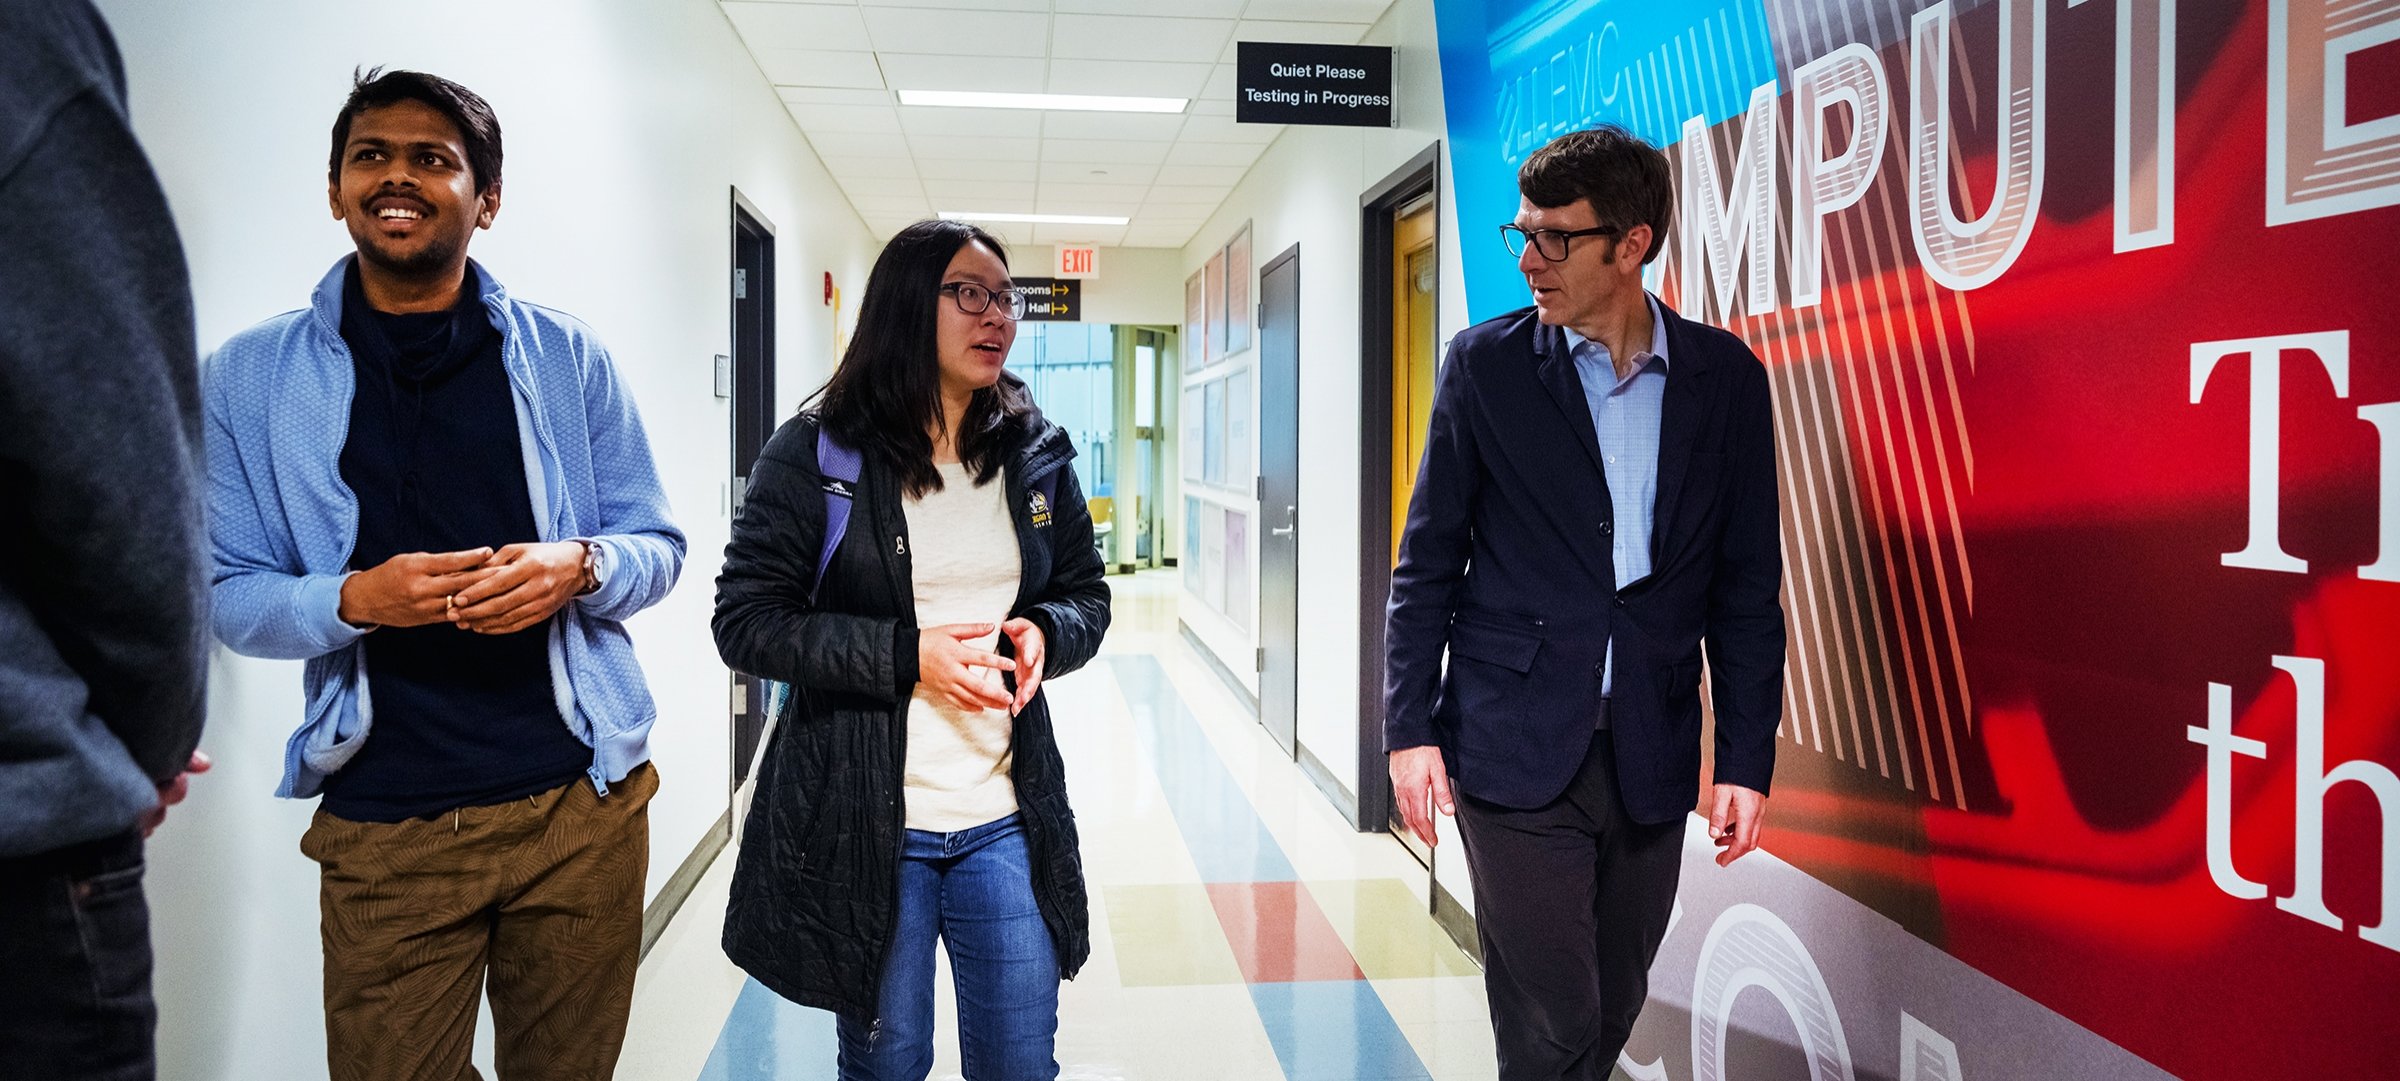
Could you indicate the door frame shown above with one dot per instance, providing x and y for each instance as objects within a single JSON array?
[
  {"x": 1377, "y": 207},
  {"x": 748, "y": 695}
]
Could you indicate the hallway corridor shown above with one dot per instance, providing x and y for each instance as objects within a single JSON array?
[{"x": 1241, "y": 930}]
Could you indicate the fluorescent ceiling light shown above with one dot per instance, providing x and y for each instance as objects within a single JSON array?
[
  {"x": 974, "y": 99},
  {"x": 1037, "y": 219}
]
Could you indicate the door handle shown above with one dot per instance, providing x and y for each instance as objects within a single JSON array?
[{"x": 1287, "y": 529}]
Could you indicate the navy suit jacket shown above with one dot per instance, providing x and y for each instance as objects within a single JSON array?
[{"x": 1506, "y": 563}]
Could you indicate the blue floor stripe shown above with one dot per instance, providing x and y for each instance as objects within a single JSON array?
[
  {"x": 769, "y": 1039},
  {"x": 1225, "y": 836},
  {"x": 1335, "y": 1030}
]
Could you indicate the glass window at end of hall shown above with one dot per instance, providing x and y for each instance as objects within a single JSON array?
[{"x": 1071, "y": 370}]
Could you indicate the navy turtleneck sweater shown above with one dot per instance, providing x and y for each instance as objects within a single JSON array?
[{"x": 460, "y": 719}]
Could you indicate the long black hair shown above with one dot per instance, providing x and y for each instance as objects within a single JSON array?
[{"x": 886, "y": 395}]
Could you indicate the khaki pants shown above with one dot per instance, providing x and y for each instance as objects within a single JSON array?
[{"x": 544, "y": 893}]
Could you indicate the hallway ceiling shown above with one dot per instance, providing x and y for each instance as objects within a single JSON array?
[{"x": 839, "y": 67}]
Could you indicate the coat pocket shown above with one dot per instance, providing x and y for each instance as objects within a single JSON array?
[{"x": 1510, "y": 649}]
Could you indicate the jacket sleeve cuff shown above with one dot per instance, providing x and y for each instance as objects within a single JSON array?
[
  {"x": 319, "y": 601},
  {"x": 904, "y": 659},
  {"x": 616, "y": 579}
]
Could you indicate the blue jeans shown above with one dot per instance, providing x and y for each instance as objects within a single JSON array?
[
  {"x": 75, "y": 965},
  {"x": 973, "y": 890}
]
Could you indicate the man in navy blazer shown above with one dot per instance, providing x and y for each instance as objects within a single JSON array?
[{"x": 1597, "y": 500}]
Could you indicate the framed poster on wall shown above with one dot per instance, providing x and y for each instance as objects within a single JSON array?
[
  {"x": 1238, "y": 444},
  {"x": 1237, "y": 291},
  {"x": 1215, "y": 316},
  {"x": 1195, "y": 322},
  {"x": 1194, "y": 434}
]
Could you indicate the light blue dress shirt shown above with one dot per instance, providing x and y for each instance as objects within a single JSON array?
[{"x": 1625, "y": 415}]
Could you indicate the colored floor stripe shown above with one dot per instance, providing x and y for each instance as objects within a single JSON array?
[
  {"x": 1225, "y": 836},
  {"x": 1335, "y": 1030},
  {"x": 1322, "y": 1029},
  {"x": 766, "y": 1037}
]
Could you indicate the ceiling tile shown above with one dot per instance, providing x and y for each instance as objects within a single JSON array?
[
  {"x": 832, "y": 95},
  {"x": 1103, "y": 235},
  {"x": 930, "y": 71},
  {"x": 1198, "y": 9},
  {"x": 869, "y": 167},
  {"x": 1135, "y": 77},
  {"x": 1106, "y": 193},
  {"x": 972, "y": 35},
  {"x": 1157, "y": 127},
  {"x": 1080, "y": 172},
  {"x": 816, "y": 67},
  {"x": 1192, "y": 194},
  {"x": 945, "y": 7},
  {"x": 978, "y": 192},
  {"x": 964, "y": 169},
  {"x": 1211, "y": 107},
  {"x": 845, "y": 118},
  {"x": 974, "y": 148},
  {"x": 1104, "y": 152},
  {"x": 799, "y": 26},
  {"x": 888, "y": 205},
  {"x": 1223, "y": 129},
  {"x": 1187, "y": 152},
  {"x": 880, "y": 187},
  {"x": 1292, "y": 33},
  {"x": 941, "y": 120},
  {"x": 1324, "y": 11},
  {"x": 1205, "y": 176},
  {"x": 1138, "y": 37},
  {"x": 1222, "y": 81},
  {"x": 858, "y": 144},
  {"x": 1051, "y": 204}
]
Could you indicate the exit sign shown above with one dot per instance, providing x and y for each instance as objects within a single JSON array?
[{"x": 1077, "y": 261}]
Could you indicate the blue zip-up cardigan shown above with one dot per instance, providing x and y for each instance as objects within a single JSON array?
[{"x": 282, "y": 523}]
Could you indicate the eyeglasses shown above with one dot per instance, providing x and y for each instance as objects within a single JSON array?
[
  {"x": 974, "y": 299},
  {"x": 1551, "y": 243}
]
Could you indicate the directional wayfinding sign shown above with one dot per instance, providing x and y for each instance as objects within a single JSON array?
[{"x": 1051, "y": 300}]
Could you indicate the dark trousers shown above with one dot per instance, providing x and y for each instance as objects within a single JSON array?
[
  {"x": 1571, "y": 901},
  {"x": 75, "y": 999}
]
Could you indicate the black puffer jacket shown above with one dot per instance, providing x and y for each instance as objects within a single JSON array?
[{"x": 815, "y": 888}]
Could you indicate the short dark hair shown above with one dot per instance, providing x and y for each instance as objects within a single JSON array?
[
  {"x": 1625, "y": 178},
  {"x": 375, "y": 88},
  {"x": 887, "y": 391}
]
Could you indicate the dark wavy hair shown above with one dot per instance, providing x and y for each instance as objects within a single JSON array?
[
  {"x": 477, "y": 127},
  {"x": 886, "y": 394},
  {"x": 1626, "y": 179}
]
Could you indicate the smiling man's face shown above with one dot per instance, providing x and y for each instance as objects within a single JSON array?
[{"x": 406, "y": 192}]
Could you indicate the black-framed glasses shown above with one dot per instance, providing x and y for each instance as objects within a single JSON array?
[
  {"x": 1551, "y": 243},
  {"x": 974, "y": 299}
]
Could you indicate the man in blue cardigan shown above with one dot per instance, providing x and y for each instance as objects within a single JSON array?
[{"x": 441, "y": 498}]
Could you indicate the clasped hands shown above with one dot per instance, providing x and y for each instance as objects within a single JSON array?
[
  {"x": 479, "y": 590},
  {"x": 955, "y": 669}
]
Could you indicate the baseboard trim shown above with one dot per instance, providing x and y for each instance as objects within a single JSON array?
[
  {"x": 687, "y": 876},
  {"x": 1455, "y": 921},
  {"x": 1331, "y": 786},
  {"x": 1216, "y": 664}
]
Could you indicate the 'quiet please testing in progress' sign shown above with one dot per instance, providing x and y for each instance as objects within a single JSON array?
[{"x": 1346, "y": 85}]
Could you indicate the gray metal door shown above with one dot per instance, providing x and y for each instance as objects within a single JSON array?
[{"x": 1279, "y": 497}]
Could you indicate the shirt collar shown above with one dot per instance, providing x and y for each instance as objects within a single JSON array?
[{"x": 1658, "y": 333}]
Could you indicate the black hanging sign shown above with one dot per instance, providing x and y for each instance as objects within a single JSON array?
[
  {"x": 1051, "y": 300},
  {"x": 1342, "y": 85}
]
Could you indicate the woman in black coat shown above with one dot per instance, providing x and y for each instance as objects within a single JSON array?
[{"x": 912, "y": 789}]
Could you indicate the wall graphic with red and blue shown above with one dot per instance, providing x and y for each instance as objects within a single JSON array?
[{"x": 2082, "y": 322}]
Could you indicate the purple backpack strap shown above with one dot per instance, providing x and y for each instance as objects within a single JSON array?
[{"x": 838, "y": 463}]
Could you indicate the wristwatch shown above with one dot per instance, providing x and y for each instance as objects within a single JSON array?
[{"x": 595, "y": 566}]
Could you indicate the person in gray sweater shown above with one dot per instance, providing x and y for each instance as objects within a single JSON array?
[{"x": 103, "y": 575}]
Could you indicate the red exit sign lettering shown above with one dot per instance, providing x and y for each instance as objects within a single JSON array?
[{"x": 1077, "y": 261}]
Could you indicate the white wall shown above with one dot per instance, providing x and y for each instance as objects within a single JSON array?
[
  {"x": 1305, "y": 190},
  {"x": 627, "y": 124}
]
